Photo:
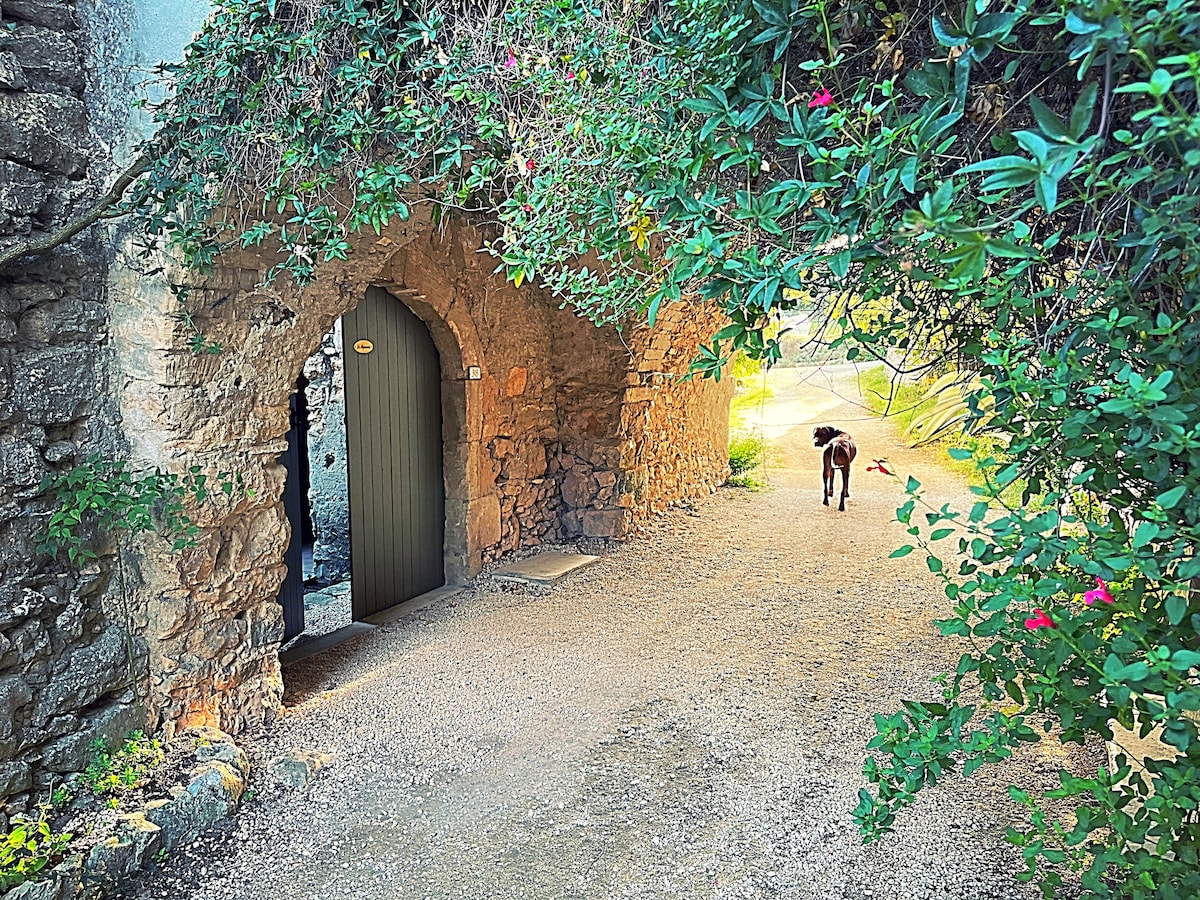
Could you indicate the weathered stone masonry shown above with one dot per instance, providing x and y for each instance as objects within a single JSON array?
[
  {"x": 571, "y": 429},
  {"x": 63, "y": 672}
]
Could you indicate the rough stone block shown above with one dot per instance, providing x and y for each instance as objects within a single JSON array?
[
  {"x": 578, "y": 487},
  {"x": 71, "y": 318},
  {"x": 11, "y": 76},
  {"x": 51, "y": 13},
  {"x": 62, "y": 883},
  {"x": 22, "y": 190},
  {"x": 298, "y": 768},
  {"x": 91, "y": 672},
  {"x": 20, "y": 463},
  {"x": 527, "y": 463},
  {"x": 604, "y": 523},
  {"x": 52, "y": 384},
  {"x": 214, "y": 744},
  {"x": 73, "y": 752},
  {"x": 14, "y": 778},
  {"x": 48, "y": 58},
  {"x": 32, "y": 127},
  {"x": 518, "y": 378},
  {"x": 484, "y": 520},
  {"x": 213, "y": 793},
  {"x": 14, "y": 694},
  {"x": 59, "y": 451},
  {"x": 128, "y": 851}
]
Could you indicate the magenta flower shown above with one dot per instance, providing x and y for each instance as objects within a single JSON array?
[
  {"x": 879, "y": 467},
  {"x": 570, "y": 76},
  {"x": 530, "y": 165},
  {"x": 1100, "y": 593},
  {"x": 821, "y": 97},
  {"x": 1041, "y": 620},
  {"x": 511, "y": 61},
  {"x": 527, "y": 208}
]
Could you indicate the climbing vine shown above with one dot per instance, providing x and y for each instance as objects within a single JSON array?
[
  {"x": 1005, "y": 187},
  {"x": 101, "y": 504}
]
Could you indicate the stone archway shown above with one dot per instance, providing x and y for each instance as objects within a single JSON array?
[{"x": 552, "y": 427}]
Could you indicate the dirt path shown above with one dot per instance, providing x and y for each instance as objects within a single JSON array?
[{"x": 684, "y": 719}]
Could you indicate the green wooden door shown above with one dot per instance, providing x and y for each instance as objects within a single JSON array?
[{"x": 394, "y": 454}]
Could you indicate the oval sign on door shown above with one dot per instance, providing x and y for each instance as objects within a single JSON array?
[{"x": 363, "y": 346}]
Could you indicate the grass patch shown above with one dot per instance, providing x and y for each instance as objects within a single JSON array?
[
  {"x": 115, "y": 771},
  {"x": 900, "y": 400},
  {"x": 748, "y": 399},
  {"x": 747, "y": 453},
  {"x": 27, "y": 849}
]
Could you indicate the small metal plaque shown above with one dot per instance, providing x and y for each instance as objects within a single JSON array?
[
  {"x": 363, "y": 346},
  {"x": 474, "y": 373}
]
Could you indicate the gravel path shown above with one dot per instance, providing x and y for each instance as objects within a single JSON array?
[{"x": 684, "y": 719}]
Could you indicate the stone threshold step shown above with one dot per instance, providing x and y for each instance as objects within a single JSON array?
[
  {"x": 317, "y": 645},
  {"x": 545, "y": 568}
]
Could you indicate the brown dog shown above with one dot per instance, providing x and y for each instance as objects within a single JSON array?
[{"x": 839, "y": 453}]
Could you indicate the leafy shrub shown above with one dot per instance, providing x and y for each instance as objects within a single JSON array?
[
  {"x": 747, "y": 451},
  {"x": 113, "y": 772},
  {"x": 27, "y": 849},
  {"x": 1011, "y": 189}
]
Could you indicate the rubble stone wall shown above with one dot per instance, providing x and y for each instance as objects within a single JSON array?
[
  {"x": 675, "y": 430},
  {"x": 64, "y": 667}
]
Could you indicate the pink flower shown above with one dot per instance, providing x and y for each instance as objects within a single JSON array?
[
  {"x": 570, "y": 76},
  {"x": 530, "y": 165},
  {"x": 1100, "y": 593},
  {"x": 1041, "y": 620},
  {"x": 511, "y": 61},
  {"x": 821, "y": 97},
  {"x": 879, "y": 467},
  {"x": 527, "y": 208}
]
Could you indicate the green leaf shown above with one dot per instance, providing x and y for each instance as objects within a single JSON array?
[
  {"x": 1081, "y": 112},
  {"x": 1170, "y": 499},
  {"x": 1160, "y": 82},
  {"x": 1182, "y": 660},
  {"x": 1050, "y": 124},
  {"x": 908, "y": 174},
  {"x": 947, "y": 35},
  {"x": 1176, "y": 607}
]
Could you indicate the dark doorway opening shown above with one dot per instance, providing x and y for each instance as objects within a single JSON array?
[{"x": 364, "y": 492}]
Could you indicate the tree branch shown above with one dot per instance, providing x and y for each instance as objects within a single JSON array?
[{"x": 47, "y": 242}]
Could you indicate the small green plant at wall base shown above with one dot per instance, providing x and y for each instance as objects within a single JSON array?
[
  {"x": 60, "y": 797},
  {"x": 27, "y": 849},
  {"x": 746, "y": 453},
  {"x": 113, "y": 772}
]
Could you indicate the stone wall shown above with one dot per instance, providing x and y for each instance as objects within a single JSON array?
[
  {"x": 64, "y": 672},
  {"x": 675, "y": 430},
  {"x": 549, "y": 389},
  {"x": 651, "y": 441}
]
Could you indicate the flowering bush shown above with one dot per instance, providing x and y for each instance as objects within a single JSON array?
[{"x": 1008, "y": 189}]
